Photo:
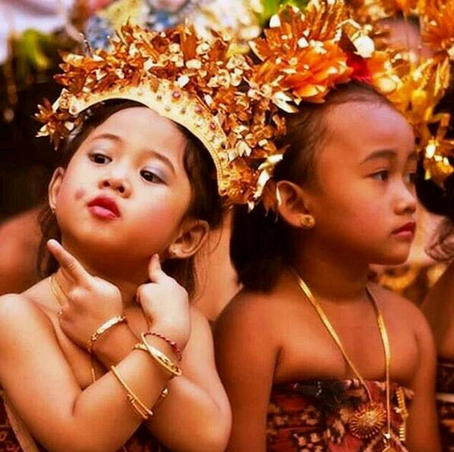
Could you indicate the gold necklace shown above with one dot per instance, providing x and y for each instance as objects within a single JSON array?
[
  {"x": 56, "y": 289},
  {"x": 370, "y": 419}
]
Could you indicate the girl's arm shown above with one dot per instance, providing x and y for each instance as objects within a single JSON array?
[
  {"x": 246, "y": 358},
  {"x": 197, "y": 403},
  {"x": 196, "y": 414},
  {"x": 422, "y": 421},
  {"x": 438, "y": 307},
  {"x": 41, "y": 386}
]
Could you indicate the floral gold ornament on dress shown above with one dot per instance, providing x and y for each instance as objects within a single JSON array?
[{"x": 185, "y": 78}]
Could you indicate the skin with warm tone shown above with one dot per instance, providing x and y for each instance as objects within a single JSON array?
[
  {"x": 362, "y": 193},
  {"x": 20, "y": 238},
  {"x": 438, "y": 307},
  {"x": 109, "y": 255}
]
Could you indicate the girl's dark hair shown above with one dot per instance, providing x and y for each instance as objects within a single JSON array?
[
  {"x": 205, "y": 203},
  {"x": 440, "y": 201},
  {"x": 260, "y": 245}
]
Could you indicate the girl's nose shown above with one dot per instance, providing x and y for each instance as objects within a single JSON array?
[
  {"x": 406, "y": 202},
  {"x": 117, "y": 183}
]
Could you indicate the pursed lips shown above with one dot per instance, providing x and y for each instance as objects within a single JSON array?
[{"x": 104, "y": 207}]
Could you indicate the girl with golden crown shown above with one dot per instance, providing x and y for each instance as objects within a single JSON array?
[
  {"x": 106, "y": 353},
  {"x": 313, "y": 356}
]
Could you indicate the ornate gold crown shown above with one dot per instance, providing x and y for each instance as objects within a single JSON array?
[{"x": 196, "y": 83}]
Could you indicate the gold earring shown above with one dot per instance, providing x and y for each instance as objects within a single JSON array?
[
  {"x": 307, "y": 221},
  {"x": 172, "y": 252}
]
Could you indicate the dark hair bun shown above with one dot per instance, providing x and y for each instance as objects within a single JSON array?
[{"x": 435, "y": 199}]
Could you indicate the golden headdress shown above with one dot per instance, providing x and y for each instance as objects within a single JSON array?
[
  {"x": 424, "y": 82},
  {"x": 304, "y": 54},
  {"x": 185, "y": 78}
]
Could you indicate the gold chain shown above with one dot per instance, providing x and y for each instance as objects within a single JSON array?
[
  {"x": 383, "y": 335},
  {"x": 56, "y": 289}
]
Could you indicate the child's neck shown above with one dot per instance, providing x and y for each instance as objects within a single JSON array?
[{"x": 331, "y": 277}]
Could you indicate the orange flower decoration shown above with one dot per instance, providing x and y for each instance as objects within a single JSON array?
[
  {"x": 300, "y": 54},
  {"x": 438, "y": 25},
  {"x": 316, "y": 70}
]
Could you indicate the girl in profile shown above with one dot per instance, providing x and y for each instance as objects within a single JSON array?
[{"x": 313, "y": 356}]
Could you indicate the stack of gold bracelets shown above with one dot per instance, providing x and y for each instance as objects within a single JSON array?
[{"x": 166, "y": 363}]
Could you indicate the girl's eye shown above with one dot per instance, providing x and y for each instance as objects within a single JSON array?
[
  {"x": 99, "y": 159},
  {"x": 149, "y": 176},
  {"x": 381, "y": 175}
]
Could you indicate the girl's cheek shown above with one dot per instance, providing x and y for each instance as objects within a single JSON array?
[{"x": 80, "y": 192}]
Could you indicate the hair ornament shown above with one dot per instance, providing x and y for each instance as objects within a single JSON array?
[
  {"x": 197, "y": 83},
  {"x": 424, "y": 82}
]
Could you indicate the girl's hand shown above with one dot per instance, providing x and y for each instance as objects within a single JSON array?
[
  {"x": 89, "y": 301},
  {"x": 165, "y": 304}
]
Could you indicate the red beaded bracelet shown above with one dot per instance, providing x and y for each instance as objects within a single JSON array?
[{"x": 171, "y": 343}]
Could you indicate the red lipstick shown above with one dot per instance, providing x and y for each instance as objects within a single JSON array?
[
  {"x": 406, "y": 231},
  {"x": 104, "y": 207}
]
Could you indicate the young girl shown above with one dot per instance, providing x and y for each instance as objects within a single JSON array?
[
  {"x": 439, "y": 304},
  {"x": 92, "y": 352},
  {"x": 312, "y": 355}
]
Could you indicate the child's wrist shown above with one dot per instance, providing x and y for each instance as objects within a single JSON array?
[{"x": 115, "y": 345}]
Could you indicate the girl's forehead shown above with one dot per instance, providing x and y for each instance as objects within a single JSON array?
[
  {"x": 354, "y": 130},
  {"x": 140, "y": 127},
  {"x": 367, "y": 121}
]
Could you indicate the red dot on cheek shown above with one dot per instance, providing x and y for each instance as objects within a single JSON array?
[{"x": 79, "y": 193}]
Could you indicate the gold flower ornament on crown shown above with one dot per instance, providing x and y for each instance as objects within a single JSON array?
[
  {"x": 304, "y": 54},
  {"x": 195, "y": 82},
  {"x": 424, "y": 82}
]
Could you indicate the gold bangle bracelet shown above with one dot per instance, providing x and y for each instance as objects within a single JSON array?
[
  {"x": 139, "y": 407},
  {"x": 161, "y": 358},
  {"x": 106, "y": 326}
]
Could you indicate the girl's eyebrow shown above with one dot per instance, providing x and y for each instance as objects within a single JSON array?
[
  {"x": 385, "y": 153},
  {"x": 388, "y": 154},
  {"x": 108, "y": 136},
  {"x": 155, "y": 154}
]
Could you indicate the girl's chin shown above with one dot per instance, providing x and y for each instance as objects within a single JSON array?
[{"x": 392, "y": 261}]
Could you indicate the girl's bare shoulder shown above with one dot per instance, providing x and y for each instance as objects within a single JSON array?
[
  {"x": 252, "y": 311},
  {"x": 401, "y": 309},
  {"x": 20, "y": 314}
]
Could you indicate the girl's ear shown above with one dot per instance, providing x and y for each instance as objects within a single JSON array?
[
  {"x": 54, "y": 187},
  {"x": 192, "y": 235},
  {"x": 292, "y": 205}
]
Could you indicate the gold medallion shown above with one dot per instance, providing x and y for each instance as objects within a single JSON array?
[{"x": 368, "y": 421}]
